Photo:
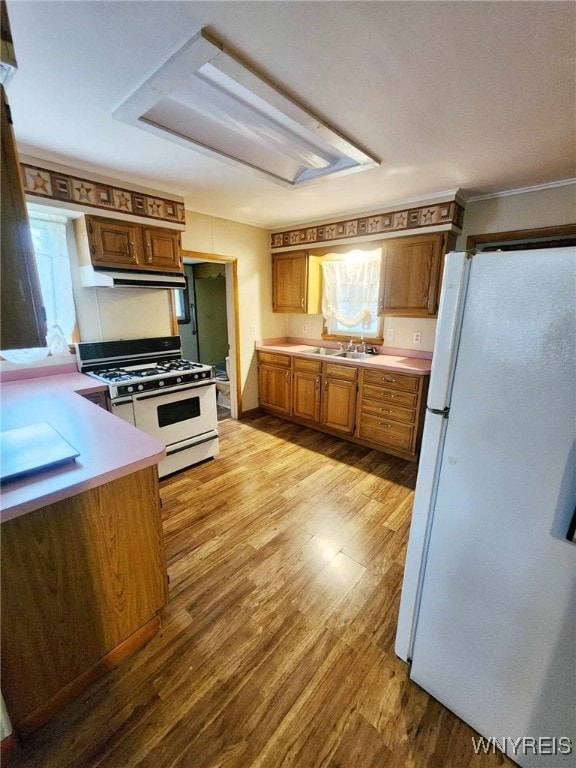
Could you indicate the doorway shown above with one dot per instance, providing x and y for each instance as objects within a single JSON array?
[
  {"x": 204, "y": 331},
  {"x": 207, "y": 322}
]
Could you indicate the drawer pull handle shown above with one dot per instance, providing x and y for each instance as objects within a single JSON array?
[
  {"x": 389, "y": 378},
  {"x": 385, "y": 425}
]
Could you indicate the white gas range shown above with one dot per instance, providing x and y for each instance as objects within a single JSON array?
[{"x": 153, "y": 388}]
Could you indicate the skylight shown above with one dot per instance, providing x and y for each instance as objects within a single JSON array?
[{"x": 205, "y": 98}]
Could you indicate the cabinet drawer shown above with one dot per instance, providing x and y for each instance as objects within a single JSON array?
[
  {"x": 387, "y": 411},
  {"x": 309, "y": 366},
  {"x": 395, "y": 396},
  {"x": 274, "y": 358},
  {"x": 385, "y": 432},
  {"x": 392, "y": 379},
  {"x": 347, "y": 372}
]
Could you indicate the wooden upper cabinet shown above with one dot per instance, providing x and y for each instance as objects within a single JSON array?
[
  {"x": 22, "y": 322},
  {"x": 410, "y": 276},
  {"x": 125, "y": 245},
  {"x": 162, "y": 249},
  {"x": 113, "y": 243},
  {"x": 296, "y": 283}
]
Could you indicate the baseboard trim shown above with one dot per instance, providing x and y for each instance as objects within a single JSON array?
[{"x": 252, "y": 412}]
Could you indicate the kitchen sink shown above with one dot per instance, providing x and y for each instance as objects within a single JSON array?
[
  {"x": 355, "y": 355},
  {"x": 329, "y": 352},
  {"x": 324, "y": 351}
]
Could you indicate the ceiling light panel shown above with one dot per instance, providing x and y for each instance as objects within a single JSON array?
[{"x": 205, "y": 98}]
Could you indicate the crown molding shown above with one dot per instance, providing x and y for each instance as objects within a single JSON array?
[{"x": 523, "y": 190}]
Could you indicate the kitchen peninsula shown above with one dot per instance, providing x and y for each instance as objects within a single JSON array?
[{"x": 83, "y": 563}]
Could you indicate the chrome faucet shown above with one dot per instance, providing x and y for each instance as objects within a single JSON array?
[
  {"x": 362, "y": 346},
  {"x": 350, "y": 347}
]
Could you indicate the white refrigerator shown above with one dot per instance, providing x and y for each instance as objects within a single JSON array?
[{"x": 488, "y": 612}]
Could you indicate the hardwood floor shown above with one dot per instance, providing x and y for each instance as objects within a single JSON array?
[{"x": 285, "y": 559}]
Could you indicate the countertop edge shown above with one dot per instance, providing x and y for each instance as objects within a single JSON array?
[
  {"x": 416, "y": 366},
  {"x": 53, "y": 485}
]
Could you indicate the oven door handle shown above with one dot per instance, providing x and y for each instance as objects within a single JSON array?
[{"x": 173, "y": 391}]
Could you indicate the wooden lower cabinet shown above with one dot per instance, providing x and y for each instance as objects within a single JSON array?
[
  {"x": 274, "y": 382},
  {"x": 99, "y": 398},
  {"x": 391, "y": 410},
  {"x": 82, "y": 582},
  {"x": 306, "y": 389},
  {"x": 371, "y": 406},
  {"x": 339, "y": 397}
]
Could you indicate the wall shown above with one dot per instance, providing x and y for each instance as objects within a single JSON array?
[
  {"x": 402, "y": 328},
  {"x": 251, "y": 247},
  {"x": 544, "y": 207}
]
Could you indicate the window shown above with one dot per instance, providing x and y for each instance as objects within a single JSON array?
[
  {"x": 350, "y": 294},
  {"x": 53, "y": 262}
]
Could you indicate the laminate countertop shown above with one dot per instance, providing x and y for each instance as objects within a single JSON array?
[
  {"x": 109, "y": 447},
  {"x": 400, "y": 363}
]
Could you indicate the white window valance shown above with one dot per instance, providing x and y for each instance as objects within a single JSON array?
[{"x": 350, "y": 293}]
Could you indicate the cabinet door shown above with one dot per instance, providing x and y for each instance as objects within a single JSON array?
[
  {"x": 306, "y": 396},
  {"x": 114, "y": 243},
  {"x": 410, "y": 275},
  {"x": 22, "y": 313},
  {"x": 274, "y": 388},
  {"x": 162, "y": 249},
  {"x": 289, "y": 282},
  {"x": 339, "y": 404}
]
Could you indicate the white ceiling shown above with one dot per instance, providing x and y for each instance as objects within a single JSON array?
[{"x": 479, "y": 96}]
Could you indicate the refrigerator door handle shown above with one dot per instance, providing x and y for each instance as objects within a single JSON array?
[{"x": 444, "y": 412}]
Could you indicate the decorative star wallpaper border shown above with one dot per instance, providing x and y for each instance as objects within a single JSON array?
[
  {"x": 391, "y": 221},
  {"x": 42, "y": 182}
]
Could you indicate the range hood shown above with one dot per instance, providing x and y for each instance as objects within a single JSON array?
[{"x": 97, "y": 277}]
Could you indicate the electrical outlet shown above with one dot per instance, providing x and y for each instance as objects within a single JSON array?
[
  {"x": 390, "y": 334},
  {"x": 253, "y": 329},
  {"x": 417, "y": 337},
  {"x": 304, "y": 328}
]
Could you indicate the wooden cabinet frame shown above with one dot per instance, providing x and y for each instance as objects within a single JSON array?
[
  {"x": 118, "y": 244},
  {"x": 346, "y": 401}
]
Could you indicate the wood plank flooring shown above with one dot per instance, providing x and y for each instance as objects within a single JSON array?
[{"x": 285, "y": 559}]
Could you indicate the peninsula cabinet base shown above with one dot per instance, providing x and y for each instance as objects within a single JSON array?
[
  {"x": 83, "y": 580},
  {"x": 76, "y": 688}
]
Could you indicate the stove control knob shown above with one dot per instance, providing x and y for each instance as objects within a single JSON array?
[
  {"x": 178, "y": 379},
  {"x": 140, "y": 387},
  {"x": 196, "y": 376},
  {"x": 129, "y": 389},
  {"x": 161, "y": 383}
]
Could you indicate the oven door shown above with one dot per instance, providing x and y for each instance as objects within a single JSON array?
[{"x": 178, "y": 413}]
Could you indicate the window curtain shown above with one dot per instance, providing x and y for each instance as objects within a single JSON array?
[
  {"x": 350, "y": 292},
  {"x": 53, "y": 262}
]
